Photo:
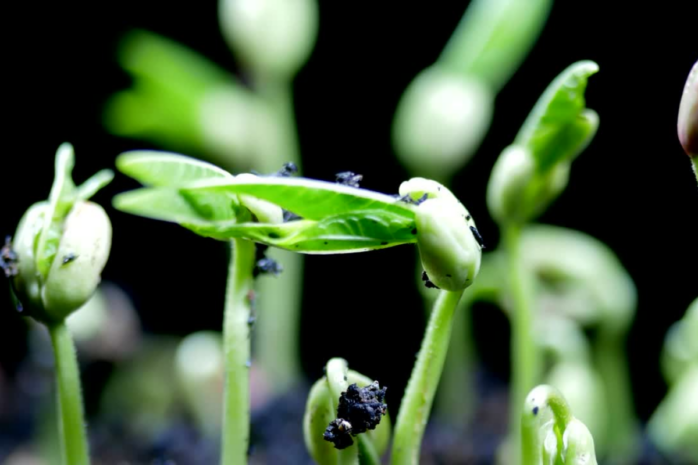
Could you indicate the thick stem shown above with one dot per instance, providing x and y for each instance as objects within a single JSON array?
[
  {"x": 419, "y": 395},
  {"x": 622, "y": 431},
  {"x": 523, "y": 352},
  {"x": 277, "y": 342},
  {"x": 236, "y": 346},
  {"x": 71, "y": 423},
  {"x": 694, "y": 160}
]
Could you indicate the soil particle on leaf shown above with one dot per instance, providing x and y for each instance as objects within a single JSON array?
[{"x": 349, "y": 178}]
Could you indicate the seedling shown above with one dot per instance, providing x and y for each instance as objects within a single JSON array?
[
  {"x": 526, "y": 178},
  {"x": 55, "y": 262},
  {"x": 551, "y": 434}
]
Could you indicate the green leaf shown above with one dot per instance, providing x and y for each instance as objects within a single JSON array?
[
  {"x": 160, "y": 60},
  {"x": 61, "y": 200},
  {"x": 166, "y": 204},
  {"x": 170, "y": 171},
  {"x": 494, "y": 37},
  {"x": 558, "y": 125},
  {"x": 165, "y": 169},
  {"x": 94, "y": 184},
  {"x": 309, "y": 198},
  {"x": 358, "y": 231}
]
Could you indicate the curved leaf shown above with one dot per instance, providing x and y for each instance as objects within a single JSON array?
[
  {"x": 309, "y": 198},
  {"x": 359, "y": 231},
  {"x": 165, "y": 169},
  {"x": 558, "y": 124}
]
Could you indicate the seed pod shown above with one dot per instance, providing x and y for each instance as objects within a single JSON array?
[
  {"x": 449, "y": 251},
  {"x": 81, "y": 257},
  {"x": 27, "y": 283}
]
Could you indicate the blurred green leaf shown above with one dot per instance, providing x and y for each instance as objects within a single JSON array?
[
  {"x": 309, "y": 198},
  {"x": 172, "y": 84},
  {"x": 359, "y": 231},
  {"x": 559, "y": 127},
  {"x": 493, "y": 38}
]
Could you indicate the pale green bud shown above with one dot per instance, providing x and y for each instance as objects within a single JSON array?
[
  {"x": 511, "y": 173},
  {"x": 448, "y": 248},
  {"x": 273, "y": 38},
  {"x": 578, "y": 444},
  {"x": 517, "y": 192},
  {"x": 546, "y": 416},
  {"x": 76, "y": 269},
  {"x": 265, "y": 212},
  {"x": 441, "y": 120}
]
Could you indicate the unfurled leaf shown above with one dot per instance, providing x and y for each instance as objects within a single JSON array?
[
  {"x": 309, "y": 198},
  {"x": 358, "y": 231}
]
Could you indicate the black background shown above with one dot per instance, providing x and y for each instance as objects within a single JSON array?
[{"x": 632, "y": 188}]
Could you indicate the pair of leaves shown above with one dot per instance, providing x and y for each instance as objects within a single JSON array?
[
  {"x": 203, "y": 198},
  {"x": 64, "y": 194}
]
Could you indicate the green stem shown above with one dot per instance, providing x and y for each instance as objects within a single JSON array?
[
  {"x": 419, "y": 395},
  {"x": 523, "y": 352},
  {"x": 236, "y": 347},
  {"x": 71, "y": 423},
  {"x": 278, "y": 322},
  {"x": 621, "y": 438},
  {"x": 694, "y": 160},
  {"x": 455, "y": 401},
  {"x": 367, "y": 452},
  {"x": 336, "y": 374},
  {"x": 277, "y": 342}
]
